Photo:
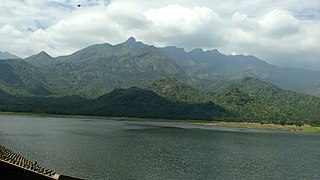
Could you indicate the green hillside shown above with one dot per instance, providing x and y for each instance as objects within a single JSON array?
[
  {"x": 248, "y": 99},
  {"x": 211, "y": 65},
  {"x": 176, "y": 90},
  {"x": 133, "y": 102},
  {"x": 99, "y": 69},
  {"x": 18, "y": 77},
  {"x": 173, "y": 83},
  {"x": 41, "y": 59}
]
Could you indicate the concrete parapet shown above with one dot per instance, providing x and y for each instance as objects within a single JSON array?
[{"x": 15, "y": 166}]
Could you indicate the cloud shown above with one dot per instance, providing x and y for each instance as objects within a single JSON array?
[
  {"x": 283, "y": 32},
  {"x": 279, "y": 23},
  {"x": 177, "y": 25},
  {"x": 277, "y": 37}
]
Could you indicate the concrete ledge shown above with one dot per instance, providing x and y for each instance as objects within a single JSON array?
[
  {"x": 13, "y": 167},
  {"x": 11, "y": 172}
]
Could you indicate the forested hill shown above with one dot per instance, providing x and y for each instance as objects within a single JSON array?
[
  {"x": 248, "y": 99},
  {"x": 136, "y": 102},
  {"x": 132, "y": 102},
  {"x": 173, "y": 84}
]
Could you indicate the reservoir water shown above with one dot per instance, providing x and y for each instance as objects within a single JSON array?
[{"x": 109, "y": 149}]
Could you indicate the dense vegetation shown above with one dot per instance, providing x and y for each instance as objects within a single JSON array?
[
  {"x": 174, "y": 84},
  {"x": 248, "y": 99},
  {"x": 133, "y": 102}
]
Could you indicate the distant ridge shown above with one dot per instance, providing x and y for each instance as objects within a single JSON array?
[
  {"x": 98, "y": 69},
  {"x": 133, "y": 79},
  {"x": 6, "y": 55},
  {"x": 211, "y": 65}
]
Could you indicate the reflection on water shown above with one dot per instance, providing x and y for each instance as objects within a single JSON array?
[{"x": 107, "y": 149}]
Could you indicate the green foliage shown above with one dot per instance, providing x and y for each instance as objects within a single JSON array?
[
  {"x": 262, "y": 102},
  {"x": 248, "y": 100},
  {"x": 133, "y": 102},
  {"x": 18, "y": 77},
  {"x": 175, "y": 90},
  {"x": 43, "y": 84}
]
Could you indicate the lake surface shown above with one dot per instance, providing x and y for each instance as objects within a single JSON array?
[{"x": 108, "y": 149}]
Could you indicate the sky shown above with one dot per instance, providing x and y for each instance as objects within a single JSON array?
[{"x": 282, "y": 32}]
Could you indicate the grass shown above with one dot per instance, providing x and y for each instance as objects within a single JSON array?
[{"x": 304, "y": 128}]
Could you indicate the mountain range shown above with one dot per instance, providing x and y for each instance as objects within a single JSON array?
[
  {"x": 98, "y": 69},
  {"x": 6, "y": 55},
  {"x": 128, "y": 78},
  {"x": 212, "y": 65}
]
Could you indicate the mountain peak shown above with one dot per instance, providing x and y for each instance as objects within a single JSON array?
[
  {"x": 214, "y": 51},
  {"x": 40, "y": 59},
  {"x": 131, "y": 40},
  {"x": 197, "y": 50},
  {"x": 43, "y": 53}
]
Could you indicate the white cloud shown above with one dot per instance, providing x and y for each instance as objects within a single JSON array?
[
  {"x": 177, "y": 25},
  {"x": 277, "y": 36},
  {"x": 281, "y": 32},
  {"x": 279, "y": 23}
]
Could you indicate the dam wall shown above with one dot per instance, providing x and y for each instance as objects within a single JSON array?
[{"x": 14, "y": 166}]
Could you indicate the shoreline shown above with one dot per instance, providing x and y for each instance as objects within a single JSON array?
[
  {"x": 249, "y": 125},
  {"x": 145, "y": 119}
]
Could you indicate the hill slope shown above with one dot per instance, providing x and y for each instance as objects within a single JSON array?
[
  {"x": 40, "y": 59},
  {"x": 18, "y": 77},
  {"x": 253, "y": 99},
  {"x": 222, "y": 86},
  {"x": 98, "y": 69},
  {"x": 248, "y": 99},
  {"x": 6, "y": 55},
  {"x": 135, "y": 102},
  {"x": 212, "y": 65}
]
